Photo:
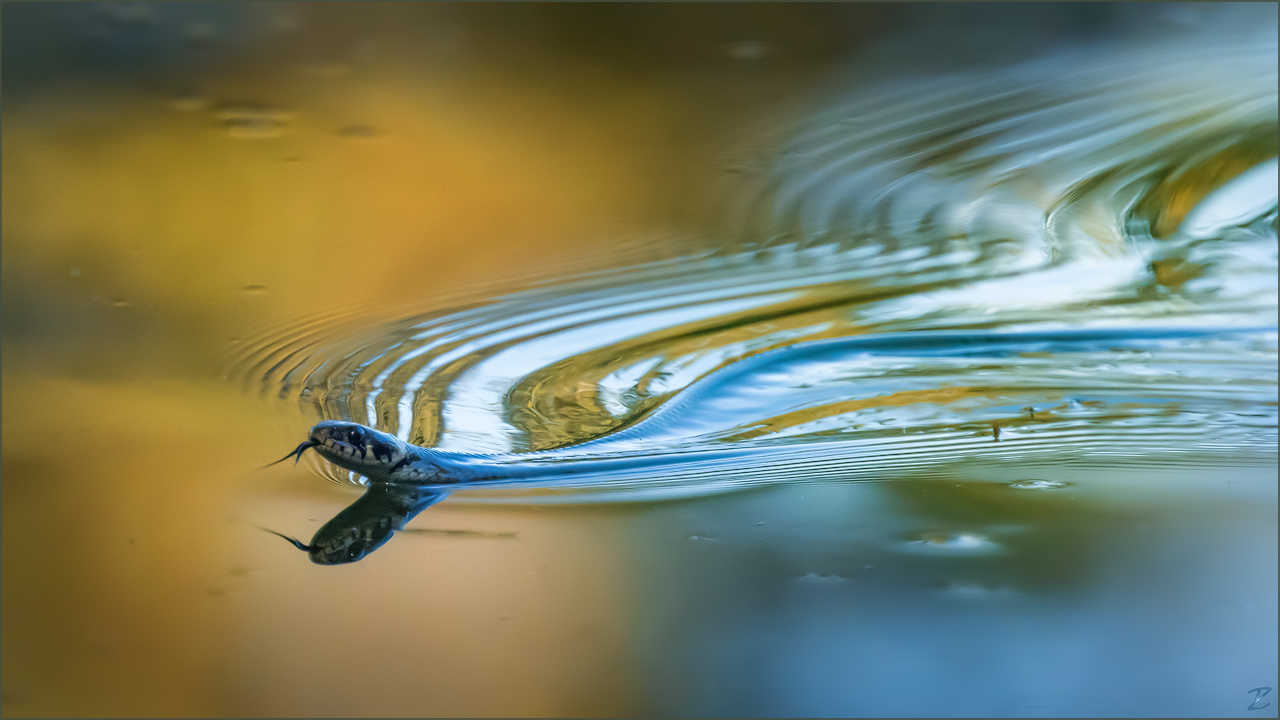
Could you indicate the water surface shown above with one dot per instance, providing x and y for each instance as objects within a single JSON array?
[{"x": 1037, "y": 479}]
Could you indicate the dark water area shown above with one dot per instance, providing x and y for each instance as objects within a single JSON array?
[{"x": 849, "y": 359}]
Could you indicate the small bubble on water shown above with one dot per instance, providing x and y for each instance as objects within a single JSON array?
[
  {"x": 359, "y": 132},
  {"x": 201, "y": 32},
  {"x": 326, "y": 68},
  {"x": 949, "y": 542},
  {"x": 253, "y": 122},
  {"x": 746, "y": 50},
  {"x": 121, "y": 302},
  {"x": 253, "y": 128},
  {"x": 813, "y": 577},
  {"x": 235, "y": 341},
  {"x": 75, "y": 272},
  {"x": 285, "y": 23},
  {"x": 135, "y": 14},
  {"x": 956, "y": 540},
  {"x": 962, "y": 589},
  {"x": 188, "y": 101},
  {"x": 1038, "y": 484}
]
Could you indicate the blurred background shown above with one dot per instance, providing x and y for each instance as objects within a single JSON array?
[{"x": 184, "y": 180}]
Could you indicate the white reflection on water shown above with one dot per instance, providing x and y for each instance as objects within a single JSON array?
[
  {"x": 1240, "y": 200},
  {"x": 475, "y": 415}
]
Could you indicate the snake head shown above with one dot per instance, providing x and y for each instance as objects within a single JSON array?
[{"x": 358, "y": 448}]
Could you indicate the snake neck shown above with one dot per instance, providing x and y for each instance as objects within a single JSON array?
[{"x": 422, "y": 466}]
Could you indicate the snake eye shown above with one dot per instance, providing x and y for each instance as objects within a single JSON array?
[{"x": 353, "y": 436}]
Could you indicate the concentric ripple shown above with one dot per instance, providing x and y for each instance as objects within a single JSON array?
[{"x": 1127, "y": 198}]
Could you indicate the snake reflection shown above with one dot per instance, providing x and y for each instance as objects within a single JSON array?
[{"x": 405, "y": 479}]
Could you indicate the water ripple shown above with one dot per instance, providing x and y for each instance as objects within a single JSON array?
[{"x": 1131, "y": 194}]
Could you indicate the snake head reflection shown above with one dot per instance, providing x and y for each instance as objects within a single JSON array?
[
  {"x": 366, "y": 524},
  {"x": 339, "y": 543}
]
